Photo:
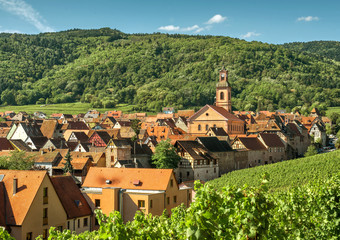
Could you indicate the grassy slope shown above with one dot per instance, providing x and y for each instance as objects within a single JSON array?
[
  {"x": 69, "y": 108},
  {"x": 285, "y": 174}
]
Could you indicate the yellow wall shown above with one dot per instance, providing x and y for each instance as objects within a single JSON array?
[
  {"x": 74, "y": 224},
  {"x": 214, "y": 119},
  {"x": 33, "y": 221}
]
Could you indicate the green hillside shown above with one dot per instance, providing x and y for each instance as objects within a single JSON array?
[
  {"x": 105, "y": 67},
  {"x": 328, "y": 49},
  {"x": 287, "y": 174}
]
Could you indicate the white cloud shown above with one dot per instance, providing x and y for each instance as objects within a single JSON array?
[
  {"x": 26, "y": 12},
  {"x": 250, "y": 34},
  {"x": 307, "y": 19},
  {"x": 200, "y": 30},
  {"x": 169, "y": 28},
  {"x": 216, "y": 19},
  {"x": 188, "y": 29},
  {"x": 9, "y": 31}
]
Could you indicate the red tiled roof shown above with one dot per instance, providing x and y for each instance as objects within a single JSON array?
[
  {"x": 70, "y": 196},
  {"x": 5, "y": 144}
]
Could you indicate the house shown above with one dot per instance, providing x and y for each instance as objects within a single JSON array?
[
  {"x": 111, "y": 121},
  {"x": 185, "y": 113},
  {"x": 80, "y": 147},
  {"x": 114, "y": 114},
  {"x": 117, "y": 150},
  {"x": 78, "y": 211},
  {"x": 35, "y": 143},
  {"x": 128, "y": 190},
  {"x": 70, "y": 127},
  {"x": 58, "y": 143},
  {"x": 181, "y": 122},
  {"x": 31, "y": 204},
  {"x": 80, "y": 166},
  {"x": 222, "y": 150},
  {"x": 40, "y": 115},
  {"x": 23, "y": 131},
  {"x": 318, "y": 130},
  {"x": 275, "y": 146},
  {"x": 78, "y": 137},
  {"x": 197, "y": 162},
  {"x": 256, "y": 150},
  {"x": 49, "y": 129},
  {"x": 98, "y": 159},
  {"x": 219, "y": 133},
  {"x": 120, "y": 124},
  {"x": 47, "y": 160},
  {"x": 99, "y": 139}
]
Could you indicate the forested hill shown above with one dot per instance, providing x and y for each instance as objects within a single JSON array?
[
  {"x": 328, "y": 49},
  {"x": 106, "y": 66}
]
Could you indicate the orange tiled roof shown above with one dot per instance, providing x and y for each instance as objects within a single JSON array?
[
  {"x": 144, "y": 178},
  {"x": 77, "y": 163},
  {"x": 47, "y": 128},
  {"x": 28, "y": 185}
]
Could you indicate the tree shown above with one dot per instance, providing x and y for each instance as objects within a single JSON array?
[
  {"x": 311, "y": 151},
  {"x": 67, "y": 165},
  {"x": 17, "y": 161},
  {"x": 165, "y": 155}
]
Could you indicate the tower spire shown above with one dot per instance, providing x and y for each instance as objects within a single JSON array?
[{"x": 223, "y": 91}]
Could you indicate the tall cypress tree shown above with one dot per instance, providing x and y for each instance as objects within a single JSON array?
[{"x": 67, "y": 165}]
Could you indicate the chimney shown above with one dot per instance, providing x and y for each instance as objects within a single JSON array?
[{"x": 15, "y": 185}]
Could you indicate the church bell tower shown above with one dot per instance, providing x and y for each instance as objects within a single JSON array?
[{"x": 223, "y": 91}]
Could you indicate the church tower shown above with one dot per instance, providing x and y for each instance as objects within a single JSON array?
[{"x": 223, "y": 91}]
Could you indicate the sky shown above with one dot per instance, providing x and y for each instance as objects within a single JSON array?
[{"x": 271, "y": 21}]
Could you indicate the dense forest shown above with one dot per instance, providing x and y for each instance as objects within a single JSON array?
[
  {"x": 328, "y": 49},
  {"x": 105, "y": 67}
]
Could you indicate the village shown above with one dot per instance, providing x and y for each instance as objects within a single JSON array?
[{"x": 111, "y": 162}]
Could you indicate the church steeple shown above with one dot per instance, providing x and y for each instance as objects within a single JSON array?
[{"x": 223, "y": 91}]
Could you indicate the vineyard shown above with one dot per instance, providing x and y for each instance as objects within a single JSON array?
[
  {"x": 306, "y": 210},
  {"x": 285, "y": 174}
]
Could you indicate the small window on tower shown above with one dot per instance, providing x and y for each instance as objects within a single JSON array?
[{"x": 222, "y": 95}]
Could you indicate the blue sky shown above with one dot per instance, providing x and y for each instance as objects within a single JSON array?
[{"x": 272, "y": 21}]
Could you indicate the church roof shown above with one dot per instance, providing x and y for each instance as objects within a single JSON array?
[{"x": 222, "y": 111}]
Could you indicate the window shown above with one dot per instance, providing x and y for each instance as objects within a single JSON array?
[
  {"x": 141, "y": 204},
  {"x": 29, "y": 236},
  {"x": 189, "y": 197},
  {"x": 171, "y": 183},
  {"x": 207, "y": 127},
  {"x": 45, "y": 195},
  {"x": 96, "y": 223},
  {"x": 85, "y": 222},
  {"x": 214, "y": 170},
  {"x": 68, "y": 224},
  {"x": 188, "y": 173},
  {"x": 45, "y": 216},
  {"x": 45, "y": 232},
  {"x": 97, "y": 203},
  {"x": 175, "y": 199},
  {"x": 229, "y": 96},
  {"x": 199, "y": 127},
  {"x": 198, "y": 162},
  {"x": 78, "y": 223},
  {"x": 214, "y": 125},
  {"x": 168, "y": 200},
  {"x": 150, "y": 203},
  {"x": 207, "y": 114},
  {"x": 222, "y": 96}
]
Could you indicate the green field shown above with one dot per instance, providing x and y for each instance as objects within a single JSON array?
[
  {"x": 332, "y": 109},
  {"x": 68, "y": 108},
  {"x": 287, "y": 174}
]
